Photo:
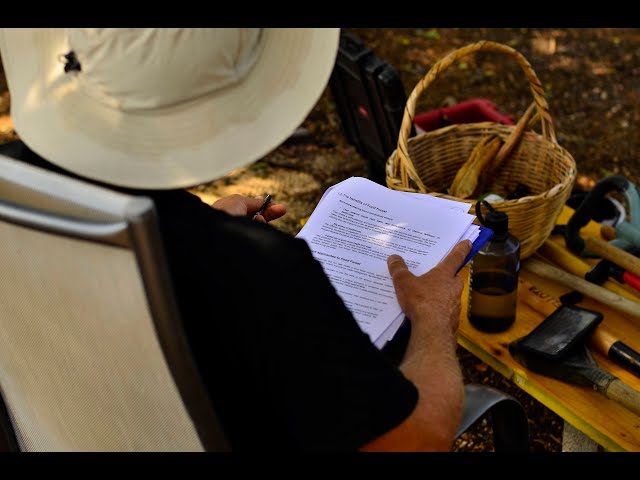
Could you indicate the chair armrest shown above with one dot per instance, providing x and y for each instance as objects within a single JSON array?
[{"x": 509, "y": 419}]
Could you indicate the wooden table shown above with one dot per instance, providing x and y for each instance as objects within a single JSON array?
[{"x": 604, "y": 421}]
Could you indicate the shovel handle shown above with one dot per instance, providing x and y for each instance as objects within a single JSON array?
[{"x": 622, "y": 393}]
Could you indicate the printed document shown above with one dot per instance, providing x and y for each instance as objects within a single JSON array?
[{"x": 358, "y": 223}]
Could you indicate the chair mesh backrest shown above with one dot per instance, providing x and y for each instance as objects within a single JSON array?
[{"x": 81, "y": 366}]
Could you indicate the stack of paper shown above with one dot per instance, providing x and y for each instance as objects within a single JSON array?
[{"x": 358, "y": 223}]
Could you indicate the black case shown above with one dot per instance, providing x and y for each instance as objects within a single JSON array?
[{"x": 370, "y": 101}]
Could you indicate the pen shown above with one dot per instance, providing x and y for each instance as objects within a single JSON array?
[{"x": 263, "y": 207}]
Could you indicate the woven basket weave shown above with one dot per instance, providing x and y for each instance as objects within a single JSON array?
[{"x": 428, "y": 162}]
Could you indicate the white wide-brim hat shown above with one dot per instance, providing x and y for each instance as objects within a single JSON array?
[{"x": 162, "y": 108}]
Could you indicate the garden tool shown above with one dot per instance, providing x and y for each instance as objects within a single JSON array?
[
  {"x": 570, "y": 262},
  {"x": 617, "y": 302},
  {"x": 556, "y": 348},
  {"x": 606, "y": 269},
  {"x": 627, "y": 233},
  {"x": 601, "y": 340}
]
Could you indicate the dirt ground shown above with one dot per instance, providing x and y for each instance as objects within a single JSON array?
[{"x": 591, "y": 78}]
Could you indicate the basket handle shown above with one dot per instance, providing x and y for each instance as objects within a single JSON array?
[{"x": 404, "y": 167}]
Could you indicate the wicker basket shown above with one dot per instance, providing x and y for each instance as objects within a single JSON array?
[{"x": 428, "y": 162}]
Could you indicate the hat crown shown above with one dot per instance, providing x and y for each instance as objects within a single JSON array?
[
  {"x": 150, "y": 68},
  {"x": 162, "y": 108}
]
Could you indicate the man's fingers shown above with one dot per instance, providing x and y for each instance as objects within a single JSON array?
[
  {"x": 396, "y": 264},
  {"x": 454, "y": 260},
  {"x": 451, "y": 262},
  {"x": 274, "y": 211}
]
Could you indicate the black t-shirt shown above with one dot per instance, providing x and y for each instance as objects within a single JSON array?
[{"x": 286, "y": 364}]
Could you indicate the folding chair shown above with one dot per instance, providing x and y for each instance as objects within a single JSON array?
[
  {"x": 92, "y": 354},
  {"x": 510, "y": 424}
]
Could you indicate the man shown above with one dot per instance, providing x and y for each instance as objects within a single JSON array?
[{"x": 152, "y": 111}]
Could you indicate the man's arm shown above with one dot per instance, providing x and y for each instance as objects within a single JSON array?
[{"x": 432, "y": 302}]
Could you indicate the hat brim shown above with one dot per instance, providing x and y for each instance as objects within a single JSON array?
[{"x": 175, "y": 147}]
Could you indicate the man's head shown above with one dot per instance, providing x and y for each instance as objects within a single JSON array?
[{"x": 162, "y": 108}]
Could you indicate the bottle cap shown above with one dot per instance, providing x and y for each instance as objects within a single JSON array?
[{"x": 495, "y": 220}]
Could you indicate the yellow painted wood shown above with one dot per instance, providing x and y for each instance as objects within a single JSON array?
[{"x": 604, "y": 421}]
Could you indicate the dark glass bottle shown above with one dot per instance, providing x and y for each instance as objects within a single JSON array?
[{"x": 493, "y": 292}]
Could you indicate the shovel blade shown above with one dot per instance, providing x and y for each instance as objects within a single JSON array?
[{"x": 556, "y": 347}]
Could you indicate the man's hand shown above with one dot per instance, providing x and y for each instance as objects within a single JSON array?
[
  {"x": 241, "y": 206},
  {"x": 434, "y": 297}
]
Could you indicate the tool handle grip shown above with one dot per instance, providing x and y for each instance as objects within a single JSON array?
[
  {"x": 632, "y": 280},
  {"x": 604, "y": 249},
  {"x": 624, "y": 355},
  {"x": 622, "y": 393}
]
